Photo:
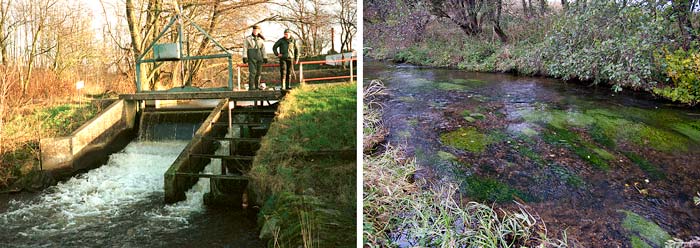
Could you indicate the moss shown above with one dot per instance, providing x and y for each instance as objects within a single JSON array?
[
  {"x": 661, "y": 140},
  {"x": 412, "y": 122},
  {"x": 475, "y": 82},
  {"x": 491, "y": 190},
  {"x": 528, "y": 131},
  {"x": 450, "y": 86},
  {"x": 603, "y": 153},
  {"x": 468, "y": 139},
  {"x": 407, "y": 99},
  {"x": 637, "y": 242},
  {"x": 531, "y": 154},
  {"x": 583, "y": 149},
  {"x": 478, "y": 116},
  {"x": 629, "y": 124},
  {"x": 404, "y": 134},
  {"x": 690, "y": 130},
  {"x": 571, "y": 178},
  {"x": 599, "y": 135},
  {"x": 446, "y": 156},
  {"x": 652, "y": 170},
  {"x": 647, "y": 229},
  {"x": 559, "y": 118}
]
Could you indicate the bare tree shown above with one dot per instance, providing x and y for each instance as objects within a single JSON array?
[
  {"x": 309, "y": 19},
  {"x": 347, "y": 18},
  {"x": 7, "y": 25},
  {"x": 8, "y": 77},
  {"x": 470, "y": 15},
  {"x": 35, "y": 24},
  {"x": 142, "y": 31}
]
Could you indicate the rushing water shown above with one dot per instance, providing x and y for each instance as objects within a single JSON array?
[
  {"x": 582, "y": 157},
  {"x": 120, "y": 204}
]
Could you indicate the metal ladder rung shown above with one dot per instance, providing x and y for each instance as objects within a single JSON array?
[
  {"x": 246, "y": 111},
  {"x": 241, "y": 123},
  {"x": 233, "y": 177},
  {"x": 224, "y": 157}
]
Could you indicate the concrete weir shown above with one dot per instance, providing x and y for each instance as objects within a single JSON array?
[{"x": 91, "y": 145}]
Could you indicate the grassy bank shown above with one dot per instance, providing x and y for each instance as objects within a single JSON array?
[
  {"x": 400, "y": 211},
  {"x": 21, "y": 134},
  {"x": 305, "y": 171},
  {"x": 625, "y": 46}
]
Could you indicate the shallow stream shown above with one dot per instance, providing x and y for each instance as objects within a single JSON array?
[{"x": 610, "y": 169}]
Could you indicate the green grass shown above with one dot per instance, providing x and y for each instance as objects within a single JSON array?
[
  {"x": 308, "y": 199},
  {"x": 20, "y": 136}
]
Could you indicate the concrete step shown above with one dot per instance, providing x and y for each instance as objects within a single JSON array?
[
  {"x": 224, "y": 157},
  {"x": 257, "y": 140}
]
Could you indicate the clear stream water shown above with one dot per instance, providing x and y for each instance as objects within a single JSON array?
[
  {"x": 120, "y": 204},
  {"x": 624, "y": 153}
]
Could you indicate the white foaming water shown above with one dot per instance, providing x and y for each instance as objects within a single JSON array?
[
  {"x": 126, "y": 191},
  {"x": 195, "y": 195}
]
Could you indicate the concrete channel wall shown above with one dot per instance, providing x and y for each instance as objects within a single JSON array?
[
  {"x": 176, "y": 185},
  {"x": 92, "y": 143}
]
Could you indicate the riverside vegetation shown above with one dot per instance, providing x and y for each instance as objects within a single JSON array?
[{"x": 648, "y": 46}]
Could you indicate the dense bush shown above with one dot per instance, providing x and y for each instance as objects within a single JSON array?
[
  {"x": 683, "y": 68},
  {"x": 605, "y": 42}
]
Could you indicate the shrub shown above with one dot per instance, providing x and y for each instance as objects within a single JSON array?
[{"x": 683, "y": 68}]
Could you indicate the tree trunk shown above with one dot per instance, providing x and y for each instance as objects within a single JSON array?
[
  {"x": 565, "y": 5},
  {"x": 4, "y": 14},
  {"x": 531, "y": 8},
  {"x": 203, "y": 46},
  {"x": 525, "y": 9},
  {"x": 543, "y": 7}
]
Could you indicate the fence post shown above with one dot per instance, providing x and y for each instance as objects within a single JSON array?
[{"x": 301, "y": 74}]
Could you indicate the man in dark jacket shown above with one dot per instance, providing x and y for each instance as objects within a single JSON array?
[
  {"x": 254, "y": 56},
  {"x": 288, "y": 52}
]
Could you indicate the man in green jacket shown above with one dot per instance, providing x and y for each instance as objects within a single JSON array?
[
  {"x": 254, "y": 56},
  {"x": 288, "y": 52}
]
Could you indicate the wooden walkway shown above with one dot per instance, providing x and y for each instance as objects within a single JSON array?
[{"x": 260, "y": 95}]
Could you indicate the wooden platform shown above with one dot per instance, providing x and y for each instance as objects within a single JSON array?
[{"x": 261, "y": 95}]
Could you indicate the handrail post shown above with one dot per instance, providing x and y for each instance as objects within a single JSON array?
[
  {"x": 238, "y": 67},
  {"x": 351, "y": 69}
]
